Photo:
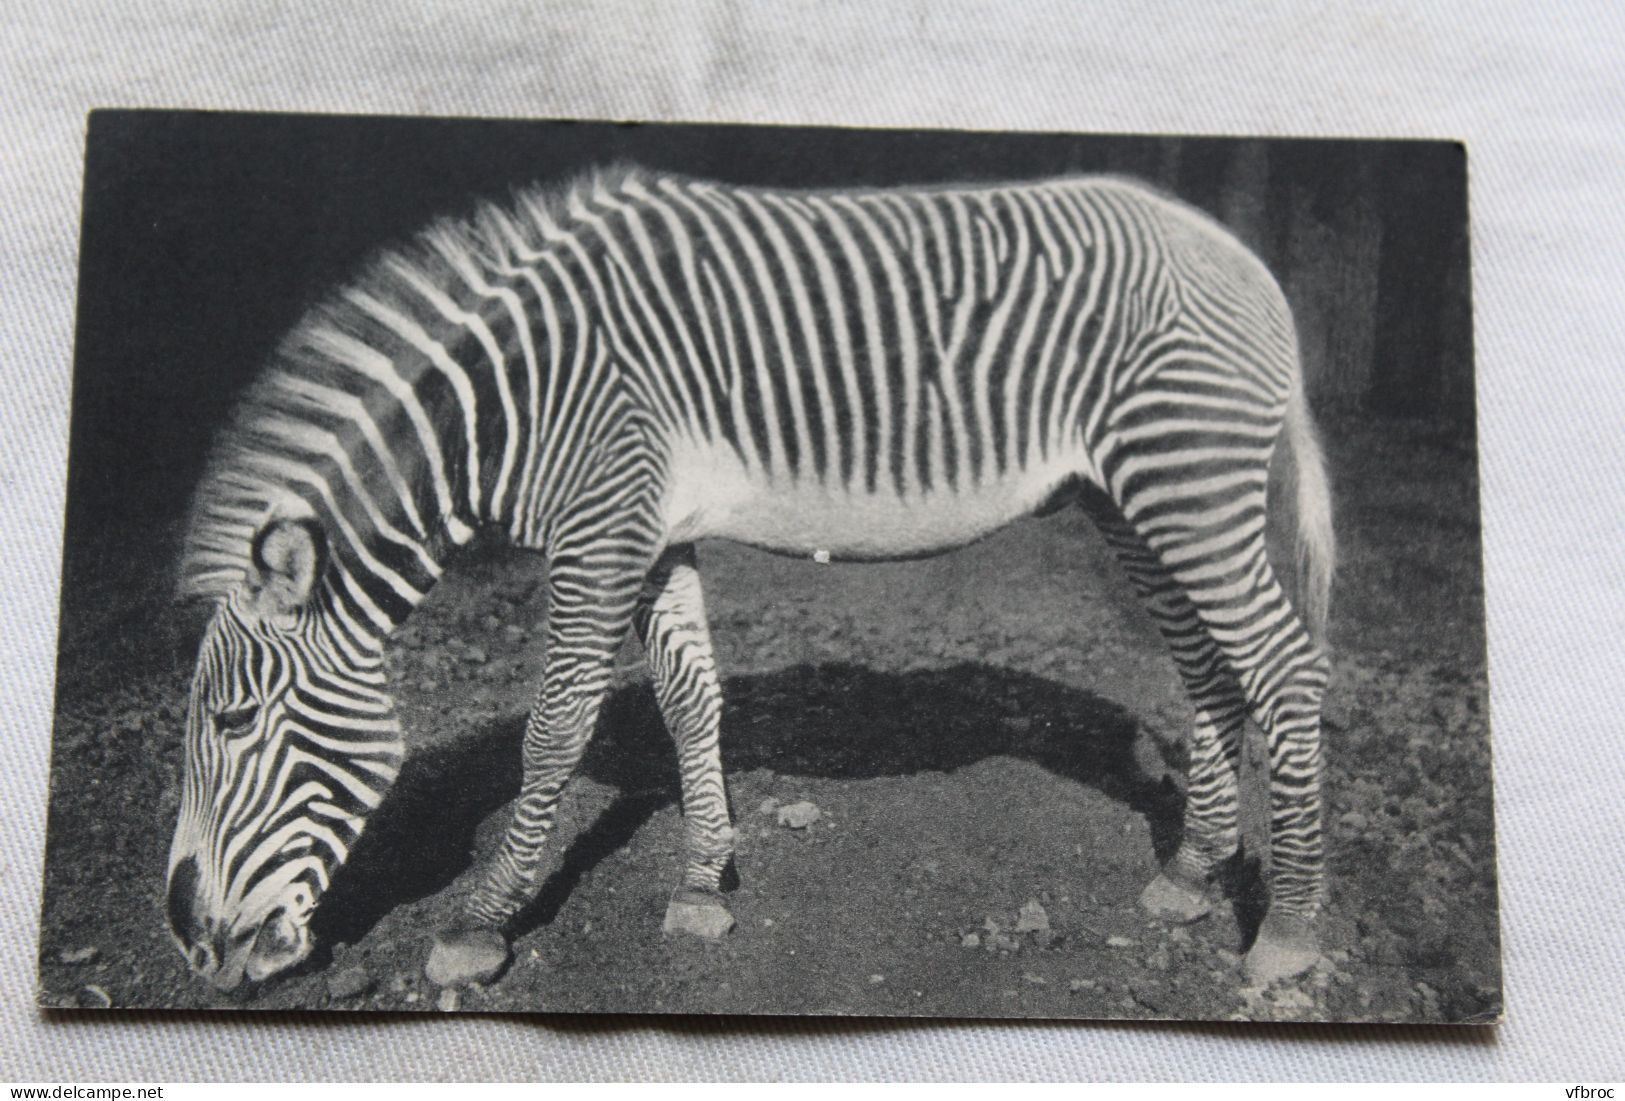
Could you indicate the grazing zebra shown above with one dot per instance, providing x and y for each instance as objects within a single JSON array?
[{"x": 608, "y": 373}]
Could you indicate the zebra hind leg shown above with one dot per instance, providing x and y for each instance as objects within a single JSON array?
[
  {"x": 1282, "y": 674},
  {"x": 671, "y": 621},
  {"x": 1179, "y": 893}
]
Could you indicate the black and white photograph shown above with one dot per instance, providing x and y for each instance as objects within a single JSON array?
[{"x": 571, "y": 567}]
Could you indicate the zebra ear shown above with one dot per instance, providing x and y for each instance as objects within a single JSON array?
[{"x": 286, "y": 559}]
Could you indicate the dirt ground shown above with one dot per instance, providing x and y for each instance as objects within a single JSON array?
[{"x": 982, "y": 732}]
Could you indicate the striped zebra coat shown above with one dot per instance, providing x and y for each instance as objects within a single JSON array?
[{"x": 609, "y": 373}]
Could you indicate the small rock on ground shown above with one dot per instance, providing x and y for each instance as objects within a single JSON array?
[
  {"x": 705, "y": 921},
  {"x": 349, "y": 983},
  {"x": 1293, "y": 1000},
  {"x": 1033, "y": 918},
  {"x": 798, "y": 816},
  {"x": 467, "y": 958},
  {"x": 449, "y": 1000}
]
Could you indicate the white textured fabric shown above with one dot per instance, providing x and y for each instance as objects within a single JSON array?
[{"x": 1538, "y": 93}]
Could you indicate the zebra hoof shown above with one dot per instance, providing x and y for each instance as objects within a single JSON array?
[
  {"x": 466, "y": 954},
  {"x": 1285, "y": 947},
  {"x": 698, "y": 915},
  {"x": 1173, "y": 901}
]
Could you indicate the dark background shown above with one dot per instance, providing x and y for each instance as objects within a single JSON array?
[{"x": 206, "y": 235}]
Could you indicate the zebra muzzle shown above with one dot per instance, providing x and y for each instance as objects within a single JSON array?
[{"x": 280, "y": 943}]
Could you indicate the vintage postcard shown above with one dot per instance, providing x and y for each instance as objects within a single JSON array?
[{"x": 617, "y": 568}]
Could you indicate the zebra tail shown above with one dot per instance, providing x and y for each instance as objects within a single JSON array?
[{"x": 1315, "y": 543}]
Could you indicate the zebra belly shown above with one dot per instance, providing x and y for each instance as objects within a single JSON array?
[{"x": 716, "y": 497}]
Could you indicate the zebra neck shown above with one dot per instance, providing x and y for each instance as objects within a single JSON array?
[
  {"x": 447, "y": 389},
  {"x": 365, "y": 602},
  {"x": 496, "y": 376}
]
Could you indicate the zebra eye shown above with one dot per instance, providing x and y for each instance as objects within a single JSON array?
[{"x": 237, "y": 720}]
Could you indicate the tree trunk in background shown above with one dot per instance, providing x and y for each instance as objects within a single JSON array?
[
  {"x": 1458, "y": 391},
  {"x": 1423, "y": 365},
  {"x": 1244, "y": 206},
  {"x": 1326, "y": 245}
]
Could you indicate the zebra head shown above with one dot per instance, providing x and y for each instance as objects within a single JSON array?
[{"x": 290, "y": 742}]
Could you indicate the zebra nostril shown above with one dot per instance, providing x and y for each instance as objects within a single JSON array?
[
  {"x": 273, "y": 937},
  {"x": 182, "y": 897}
]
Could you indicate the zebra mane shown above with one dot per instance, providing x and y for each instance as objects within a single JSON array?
[{"x": 246, "y": 482}]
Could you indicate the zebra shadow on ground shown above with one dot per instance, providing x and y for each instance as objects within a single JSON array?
[{"x": 830, "y": 721}]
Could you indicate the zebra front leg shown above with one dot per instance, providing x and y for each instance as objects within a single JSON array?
[
  {"x": 590, "y": 602},
  {"x": 671, "y": 621},
  {"x": 1179, "y": 893}
]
